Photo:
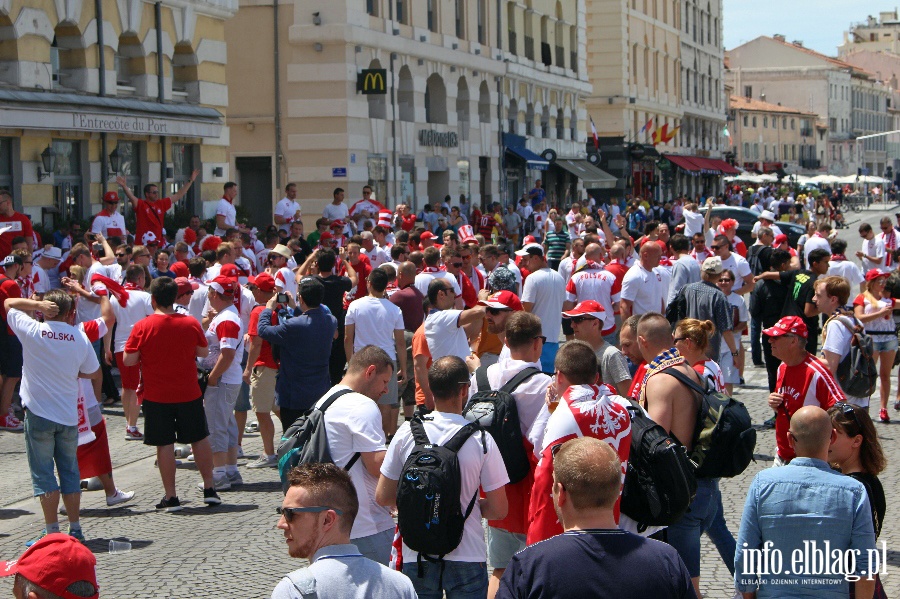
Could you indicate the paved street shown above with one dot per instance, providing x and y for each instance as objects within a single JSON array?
[{"x": 234, "y": 550}]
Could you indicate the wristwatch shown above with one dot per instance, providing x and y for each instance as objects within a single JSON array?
[{"x": 735, "y": 353}]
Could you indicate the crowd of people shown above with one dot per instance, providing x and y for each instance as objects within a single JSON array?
[{"x": 393, "y": 324}]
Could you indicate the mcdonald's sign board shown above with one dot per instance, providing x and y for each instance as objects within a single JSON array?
[{"x": 371, "y": 81}]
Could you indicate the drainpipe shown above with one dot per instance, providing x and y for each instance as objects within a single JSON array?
[
  {"x": 395, "y": 159},
  {"x": 278, "y": 153},
  {"x": 502, "y": 172},
  {"x": 160, "y": 91}
]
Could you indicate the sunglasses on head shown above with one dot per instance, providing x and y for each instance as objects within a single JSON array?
[{"x": 847, "y": 411}]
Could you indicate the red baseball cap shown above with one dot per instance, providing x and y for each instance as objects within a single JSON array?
[
  {"x": 789, "y": 325},
  {"x": 426, "y": 235},
  {"x": 224, "y": 285},
  {"x": 503, "y": 300},
  {"x": 230, "y": 270},
  {"x": 779, "y": 239},
  {"x": 529, "y": 239},
  {"x": 180, "y": 269},
  {"x": 337, "y": 224},
  {"x": 111, "y": 196},
  {"x": 587, "y": 308},
  {"x": 325, "y": 236},
  {"x": 185, "y": 285},
  {"x": 874, "y": 273},
  {"x": 263, "y": 281},
  {"x": 54, "y": 563}
]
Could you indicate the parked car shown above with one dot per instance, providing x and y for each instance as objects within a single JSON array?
[{"x": 746, "y": 218}]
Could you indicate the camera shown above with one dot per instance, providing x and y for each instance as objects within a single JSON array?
[{"x": 281, "y": 298}]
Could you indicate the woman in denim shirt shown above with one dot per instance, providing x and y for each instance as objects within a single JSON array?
[{"x": 857, "y": 453}]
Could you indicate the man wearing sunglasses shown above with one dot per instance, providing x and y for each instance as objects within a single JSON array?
[
  {"x": 317, "y": 515},
  {"x": 722, "y": 247},
  {"x": 150, "y": 212},
  {"x": 109, "y": 222}
]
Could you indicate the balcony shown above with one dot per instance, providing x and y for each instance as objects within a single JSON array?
[
  {"x": 808, "y": 163},
  {"x": 806, "y": 132}
]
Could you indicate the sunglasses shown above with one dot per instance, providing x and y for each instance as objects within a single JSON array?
[
  {"x": 718, "y": 247},
  {"x": 847, "y": 411},
  {"x": 121, "y": 255},
  {"x": 580, "y": 319},
  {"x": 677, "y": 339},
  {"x": 496, "y": 311},
  {"x": 726, "y": 280},
  {"x": 288, "y": 512},
  {"x": 541, "y": 337}
]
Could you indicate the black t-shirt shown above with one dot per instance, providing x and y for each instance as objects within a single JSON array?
[
  {"x": 335, "y": 288},
  {"x": 876, "y": 498},
  {"x": 596, "y": 563},
  {"x": 800, "y": 291}
]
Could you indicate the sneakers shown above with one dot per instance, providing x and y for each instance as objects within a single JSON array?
[
  {"x": 219, "y": 484},
  {"x": 11, "y": 423},
  {"x": 210, "y": 497},
  {"x": 133, "y": 434},
  {"x": 33, "y": 541},
  {"x": 119, "y": 497},
  {"x": 240, "y": 451},
  {"x": 170, "y": 504},
  {"x": 770, "y": 423},
  {"x": 883, "y": 415},
  {"x": 77, "y": 534},
  {"x": 897, "y": 405},
  {"x": 264, "y": 461},
  {"x": 235, "y": 479}
]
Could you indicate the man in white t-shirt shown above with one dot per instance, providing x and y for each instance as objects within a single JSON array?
[
  {"x": 336, "y": 210},
  {"x": 481, "y": 467},
  {"x": 356, "y": 443},
  {"x": 226, "y": 214},
  {"x": 377, "y": 255},
  {"x": 544, "y": 295},
  {"x": 225, "y": 336},
  {"x": 766, "y": 219},
  {"x": 109, "y": 221},
  {"x": 375, "y": 320},
  {"x": 832, "y": 294},
  {"x": 646, "y": 285},
  {"x": 817, "y": 241},
  {"x": 734, "y": 262},
  {"x": 445, "y": 327},
  {"x": 872, "y": 254},
  {"x": 129, "y": 306},
  {"x": 287, "y": 210},
  {"x": 277, "y": 266},
  {"x": 840, "y": 266},
  {"x": 50, "y": 399},
  {"x": 593, "y": 282},
  {"x": 432, "y": 271}
]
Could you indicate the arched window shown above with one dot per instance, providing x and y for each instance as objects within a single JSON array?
[
  {"x": 435, "y": 100},
  {"x": 546, "y": 53},
  {"x": 484, "y": 103},
  {"x": 185, "y": 78},
  {"x": 545, "y": 122},
  {"x": 406, "y": 96},
  {"x": 512, "y": 116},
  {"x": 68, "y": 59},
  {"x": 377, "y": 102},
  {"x": 529, "y": 119},
  {"x": 130, "y": 68},
  {"x": 560, "y": 124},
  {"x": 462, "y": 102}
]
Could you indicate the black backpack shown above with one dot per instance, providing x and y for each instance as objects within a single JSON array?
[
  {"x": 306, "y": 441},
  {"x": 724, "y": 437},
  {"x": 659, "y": 481},
  {"x": 497, "y": 413},
  {"x": 677, "y": 310},
  {"x": 857, "y": 373},
  {"x": 431, "y": 518}
]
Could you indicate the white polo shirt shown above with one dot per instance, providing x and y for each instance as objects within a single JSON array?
[
  {"x": 136, "y": 308},
  {"x": 646, "y": 289},
  {"x": 226, "y": 209},
  {"x": 375, "y": 320},
  {"x": 444, "y": 335}
]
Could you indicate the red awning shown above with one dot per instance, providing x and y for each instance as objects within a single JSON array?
[
  {"x": 683, "y": 162},
  {"x": 723, "y": 166},
  {"x": 706, "y": 165}
]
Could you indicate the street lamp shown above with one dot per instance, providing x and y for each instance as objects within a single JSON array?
[
  {"x": 48, "y": 159},
  {"x": 115, "y": 161}
]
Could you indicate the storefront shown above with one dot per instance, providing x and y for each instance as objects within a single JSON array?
[{"x": 697, "y": 176}]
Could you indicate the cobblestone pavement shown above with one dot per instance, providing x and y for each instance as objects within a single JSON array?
[{"x": 235, "y": 551}]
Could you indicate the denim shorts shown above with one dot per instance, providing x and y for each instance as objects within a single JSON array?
[
  {"x": 46, "y": 443},
  {"x": 884, "y": 342},
  {"x": 461, "y": 580},
  {"x": 391, "y": 397}
]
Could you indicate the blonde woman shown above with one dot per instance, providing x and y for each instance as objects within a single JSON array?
[
  {"x": 691, "y": 340},
  {"x": 875, "y": 312}
]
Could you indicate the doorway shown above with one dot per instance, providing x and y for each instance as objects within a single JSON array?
[{"x": 255, "y": 187}]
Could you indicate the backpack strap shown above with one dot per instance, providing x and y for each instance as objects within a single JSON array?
[
  {"x": 462, "y": 435},
  {"x": 304, "y": 582},
  {"x": 327, "y": 404},
  {"x": 481, "y": 379},
  {"x": 690, "y": 384},
  {"x": 517, "y": 380},
  {"x": 418, "y": 431}
]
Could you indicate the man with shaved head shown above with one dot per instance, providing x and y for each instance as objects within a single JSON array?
[
  {"x": 586, "y": 483},
  {"x": 593, "y": 282},
  {"x": 799, "y": 508},
  {"x": 646, "y": 285},
  {"x": 409, "y": 299}
]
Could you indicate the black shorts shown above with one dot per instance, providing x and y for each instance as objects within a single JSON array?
[
  {"x": 10, "y": 356},
  {"x": 166, "y": 423}
]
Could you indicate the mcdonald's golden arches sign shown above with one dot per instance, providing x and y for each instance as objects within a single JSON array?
[{"x": 371, "y": 81}]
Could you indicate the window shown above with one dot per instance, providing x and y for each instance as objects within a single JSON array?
[
  {"x": 545, "y": 122},
  {"x": 784, "y": 123},
  {"x": 745, "y": 120},
  {"x": 748, "y": 92},
  {"x": 511, "y": 27},
  {"x": 462, "y": 107},
  {"x": 774, "y": 122},
  {"x": 560, "y": 124},
  {"x": 372, "y": 7},
  {"x": 464, "y": 177},
  {"x": 512, "y": 116},
  {"x": 482, "y": 22},
  {"x": 432, "y": 15},
  {"x": 435, "y": 100},
  {"x": 573, "y": 127},
  {"x": 529, "y": 120},
  {"x": 754, "y": 122},
  {"x": 765, "y": 122},
  {"x": 746, "y": 148},
  {"x": 402, "y": 14},
  {"x": 5, "y": 163},
  {"x": 405, "y": 96},
  {"x": 460, "y": 19},
  {"x": 484, "y": 103}
]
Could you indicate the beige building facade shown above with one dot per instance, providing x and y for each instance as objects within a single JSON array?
[
  {"x": 420, "y": 99},
  {"x": 771, "y": 138},
  {"x": 134, "y": 85},
  {"x": 881, "y": 34}
]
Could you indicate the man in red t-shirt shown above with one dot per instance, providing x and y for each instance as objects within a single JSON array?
[
  {"x": 10, "y": 348},
  {"x": 261, "y": 370},
  {"x": 166, "y": 345},
  {"x": 150, "y": 213},
  {"x": 802, "y": 380},
  {"x": 18, "y": 224}
]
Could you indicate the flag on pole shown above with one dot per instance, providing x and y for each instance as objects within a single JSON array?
[
  {"x": 727, "y": 134},
  {"x": 594, "y": 133},
  {"x": 659, "y": 136},
  {"x": 647, "y": 125},
  {"x": 667, "y": 137}
]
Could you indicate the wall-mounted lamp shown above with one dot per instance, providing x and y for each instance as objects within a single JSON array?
[
  {"x": 115, "y": 161},
  {"x": 48, "y": 159},
  {"x": 318, "y": 47},
  {"x": 317, "y": 20},
  {"x": 218, "y": 171}
]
